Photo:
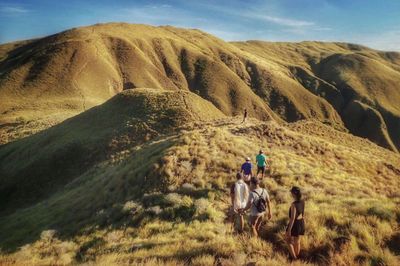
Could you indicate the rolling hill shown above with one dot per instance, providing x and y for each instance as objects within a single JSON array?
[
  {"x": 344, "y": 85},
  {"x": 67, "y": 150},
  {"x": 144, "y": 178},
  {"x": 120, "y": 143}
]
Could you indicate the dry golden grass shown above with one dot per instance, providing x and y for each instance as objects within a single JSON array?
[
  {"x": 350, "y": 185},
  {"x": 59, "y": 76},
  {"x": 144, "y": 178}
]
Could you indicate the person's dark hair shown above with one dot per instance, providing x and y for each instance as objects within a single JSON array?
[
  {"x": 296, "y": 192},
  {"x": 261, "y": 151},
  {"x": 238, "y": 175},
  {"x": 254, "y": 180}
]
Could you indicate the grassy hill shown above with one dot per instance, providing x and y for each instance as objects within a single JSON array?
[
  {"x": 361, "y": 84},
  {"x": 119, "y": 143},
  {"x": 149, "y": 184},
  {"x": 347, "y": 86},
  {"x": 39, "y": 165}
]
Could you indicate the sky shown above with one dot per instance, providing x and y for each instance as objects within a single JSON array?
[{"x": 374, "y": 23}]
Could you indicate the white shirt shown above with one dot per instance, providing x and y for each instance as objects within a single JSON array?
[{"x": 241, "y": 195}]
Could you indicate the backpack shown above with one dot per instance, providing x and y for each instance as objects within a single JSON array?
[{"x": 261, "y": 203}]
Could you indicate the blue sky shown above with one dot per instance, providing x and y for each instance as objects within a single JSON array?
[{"x": 369, "y": 22}]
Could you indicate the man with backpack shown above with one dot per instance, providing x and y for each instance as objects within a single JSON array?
[{"x": 258, "y": 204}]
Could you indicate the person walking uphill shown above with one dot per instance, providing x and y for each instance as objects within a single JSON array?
[
  {"x": 258, "y": 204},
  {"x": 261, "y": 160},
  {"x": 247, "y": 170},
  {"x": 239, "y": 199},
  {"x": 244, "y": 116},
  {"x": 296, "y": 226}
]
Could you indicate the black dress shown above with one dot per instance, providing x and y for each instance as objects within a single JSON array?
[{"x": 298, "y": 225}]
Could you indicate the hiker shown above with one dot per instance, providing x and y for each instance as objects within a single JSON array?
[
  {"x": 258, "y": 204},
  {"x": 296, "y": 227},
  {"x": 244, "y": 116},
  {"x": 261, "y": 160},
  {"x": 247, "y": 170},
  {"x": 239, "y": 199}
]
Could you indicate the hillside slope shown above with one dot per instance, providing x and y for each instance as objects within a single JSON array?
[
  {"x": 67, "y": 150},
  {"x": 80, "y": 68},
  {"x": 144, "y": 179},
  {"x": 361, "y": 84},
  {"x": 45, "y": 81}
]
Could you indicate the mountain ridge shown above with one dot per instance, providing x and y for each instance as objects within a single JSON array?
[
  {"x": 79, "y": 68},
  {"x": 120, "y": 144}
]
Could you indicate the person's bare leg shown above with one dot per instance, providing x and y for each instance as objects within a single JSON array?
[
  {"x": 258, "y": 224},
  {"x": 253, "y": 222},
  {"x": 291, "y": 248},
  {"x": 296, "y": 245},
  {"x": 241, "y": 224},
  {"x": 231, "y": 219}
]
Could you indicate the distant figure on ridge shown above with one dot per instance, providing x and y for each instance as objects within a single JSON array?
[
  {"x": 261, "y": 160},
  {"x": 296, "y": 227},
  {"x": 258, "y": 204},
  {"x": 247, "y": 170},
  {"x": 239, "y": 199},
  {"x": 244, "y": 116}
]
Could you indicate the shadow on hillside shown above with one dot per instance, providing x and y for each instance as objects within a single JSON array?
[
  {"x": 99, "y": 207},
  {"x": 394, "y": 244}
]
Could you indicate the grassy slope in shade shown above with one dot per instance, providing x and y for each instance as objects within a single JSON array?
[
  {"x": 64, "y": 152},
  {"x": 344, "y": 85},
  {"x": 162, "y": 198}
]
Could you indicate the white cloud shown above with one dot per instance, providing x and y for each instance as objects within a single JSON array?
[
  {"x": 386, "y": 40},
  {"x": 284, "y": 21},
  {"x": 158, "y": 6},
  {"x": 234, "y": 28},
  {"x": 318, "y": 28},
  {"x": 224, "y": 34},
  {"x": 13, "y": 10},
  {"x": 161, "y": 15}
]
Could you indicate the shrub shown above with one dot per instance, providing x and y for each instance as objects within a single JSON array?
[
  {"x": 155, "y": 210},
  {"x": 48, "y": 235},
  {"x": 201, "y": 206},
  {"x": 131, "y": 206},
  {"x": 173, "y": 199},
  {"x": 187, "y": 187}
]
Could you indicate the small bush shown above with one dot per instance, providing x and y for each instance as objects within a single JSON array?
[
  {"x": 48, "y": 235},
  {"x": 201, "y": 205},
  {"x": 187, "y": 187},
  {"x": 131, "y": 206},
  {"x": 155, "y": 210},
  {"x": 173, "y": 199}
]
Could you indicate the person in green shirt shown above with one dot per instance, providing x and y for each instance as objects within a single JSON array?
[{"x": 261, "y": 160}]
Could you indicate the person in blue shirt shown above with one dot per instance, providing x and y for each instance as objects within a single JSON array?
[
  {"x": 261, "y": 160},
  {"x": 247, "y": 170}
]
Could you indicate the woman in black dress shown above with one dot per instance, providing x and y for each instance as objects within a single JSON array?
[{"x": 296, "y": 227}]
